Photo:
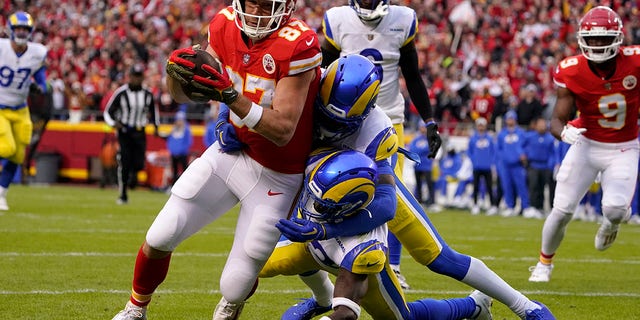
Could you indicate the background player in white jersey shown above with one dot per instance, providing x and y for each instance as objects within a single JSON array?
[
  {"x": 385, "y": 34},
  {"x": 602, "y": 85},
  {"x": 338, "y": 185},
  {"x": 344, "y": 118},
  {"x": 20, "y": 61},
  {"x": 272, "y": 118}
]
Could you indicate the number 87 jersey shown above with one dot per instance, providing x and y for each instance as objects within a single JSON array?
[
  {"x": 608, "y": 108},
  {"x": 16, "y": 72}
]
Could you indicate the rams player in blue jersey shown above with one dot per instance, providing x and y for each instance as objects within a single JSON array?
[
  {"x": 346, "y": 118},
  {"x": 342, "y": 190},
  {"x": 20, "y": 61}
]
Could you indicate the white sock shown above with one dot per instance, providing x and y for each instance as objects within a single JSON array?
[
  {"x": 484, "y": 279},
  {"x": 553, "y": 231},
  {"x": 3, "y": 192},
  {"x": 321, "y": 286}
]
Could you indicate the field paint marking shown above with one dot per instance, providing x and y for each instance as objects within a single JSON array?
[
  {"x": 304, "y": 291},
  {"x": 219, "y": 255},
  {"x": 103, "y": 254}
]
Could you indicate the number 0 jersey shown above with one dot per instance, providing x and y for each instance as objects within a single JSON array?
[
  {"x": 255, "y": 72},
  {"x": 16, "y": 72},
  {"x": 344, "y": 30},
  {"x": 608, "y": 109}
]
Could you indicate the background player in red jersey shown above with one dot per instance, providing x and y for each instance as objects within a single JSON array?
[
  {"x": 269, "y": 80},
  {"x": 602, "y": 85}
]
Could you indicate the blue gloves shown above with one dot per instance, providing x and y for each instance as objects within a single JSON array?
[
  {"x": 225, "y": 132},
  {"x": 301, "y": 230}
]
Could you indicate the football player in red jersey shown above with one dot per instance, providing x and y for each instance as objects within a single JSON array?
[
  {"x": 602, "y": 85},
  {"x": 269, "y": 80}
]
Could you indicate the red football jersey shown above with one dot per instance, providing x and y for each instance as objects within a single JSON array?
[
  {"x": 255, "y": 72},
  {"x": 608, "y": 109}
]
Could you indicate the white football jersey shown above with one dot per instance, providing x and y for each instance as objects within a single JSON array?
[
  {"x": 344, "y": 30},
  {"x": 376, "y": 137},
  {"x": 16, "y": 71}
]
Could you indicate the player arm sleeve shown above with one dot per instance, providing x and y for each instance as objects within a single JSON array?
[
  {"x": 381, "y": 209},
  {"x": 111, "y": 108},
  {"x": 41, "y": 79},
  {"x": 329, "y": 54},
  {"x": 416, "y": 87}
]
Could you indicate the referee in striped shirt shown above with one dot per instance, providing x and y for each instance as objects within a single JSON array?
[{"x": 129, "y": 110}]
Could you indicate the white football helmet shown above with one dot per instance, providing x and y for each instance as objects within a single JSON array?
[
  {"x": 254, "y": 26},
  {"x": 372, "y": 12},
  {"x": 604, "y": 23}
]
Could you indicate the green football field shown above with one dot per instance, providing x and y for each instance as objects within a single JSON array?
[{"x": 68, "y": 252}]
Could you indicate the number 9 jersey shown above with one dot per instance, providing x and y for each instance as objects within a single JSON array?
[
  {"x": 16, "y": 72},
  {"x": 608, "y": 108}
]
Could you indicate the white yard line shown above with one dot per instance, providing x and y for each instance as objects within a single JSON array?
[{"x": 304, "y": 291}]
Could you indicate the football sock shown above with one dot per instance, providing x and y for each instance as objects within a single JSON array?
[
  {"x": 546, "y": 258},
  {"x": 484, "y": 279},
  {"x": 148, "y": 274},
  {"x": 431, "y": 309},
  {"x": 8, "y": 171},
  {"x": 395, "y": 249},
  {"x": 320, "y": 285},
  {"x": 553, "y": 231}
]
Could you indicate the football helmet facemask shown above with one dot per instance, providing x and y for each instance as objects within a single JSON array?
[
  {"x": 16, "y": 22},
  {"x": 603, "y": 23},
  {"x": 338, "y": 185},
  {"x": 348, "y": 91},
  {"x": 257, "y": 26},
  {"x": 371, "y": 12}
]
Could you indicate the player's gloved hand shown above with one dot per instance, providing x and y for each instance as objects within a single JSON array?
[
  {"x": 301, "y": 230},
  {"x": 34, "y": 88},
  {"x": 217, "y": 86},
  {"x": 225, "y": 132},
  {"x": 433, "y": 138},
  {"x": 180, "y": 68},
  {"x": 570, "y": 134}
]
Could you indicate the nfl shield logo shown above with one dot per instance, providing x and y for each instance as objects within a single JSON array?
[
  {"x": 370, "y": 37},
  {"x": 245, "y": 58}
]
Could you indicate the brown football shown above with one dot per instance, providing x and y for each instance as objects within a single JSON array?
[{"x": 183, "y": 93}]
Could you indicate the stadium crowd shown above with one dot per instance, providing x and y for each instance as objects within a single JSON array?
[
  {"x": 479, "y": 58},
  {"x": 502, "y": 47}
]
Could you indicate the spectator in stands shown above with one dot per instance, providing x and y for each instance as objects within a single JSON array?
[
  {"x": 179, "y": 143},
  {"x": 481, "y": 151},
  {"x": 539, "y": 149},
  {"x": 529, "y": 108}
]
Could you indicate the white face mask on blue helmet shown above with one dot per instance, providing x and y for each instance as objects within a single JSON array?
[
  {"x": 370, "y": 13},
  {"x": 19, "y": 20}
]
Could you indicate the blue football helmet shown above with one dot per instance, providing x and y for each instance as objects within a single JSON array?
[
  {"x": 348, "y": 91},
  {"x": 371, "y": 13},
  {"x": 338, "y": 185},
  {"x": 18, "y": 20}
]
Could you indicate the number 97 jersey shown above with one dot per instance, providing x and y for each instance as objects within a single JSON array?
[
  {"x": 608, "y": 108},
  {"x": 16, "y": 72}
]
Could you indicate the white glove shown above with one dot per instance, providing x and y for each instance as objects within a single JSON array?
[{"x": 570, "y": 134}]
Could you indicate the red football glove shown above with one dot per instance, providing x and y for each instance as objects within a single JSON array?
[
  {"x": 180, "y": 68},
  {"x": 216, "y": 85}
]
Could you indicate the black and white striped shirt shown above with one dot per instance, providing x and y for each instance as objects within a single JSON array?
[{"x": 134, "y": 109}]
